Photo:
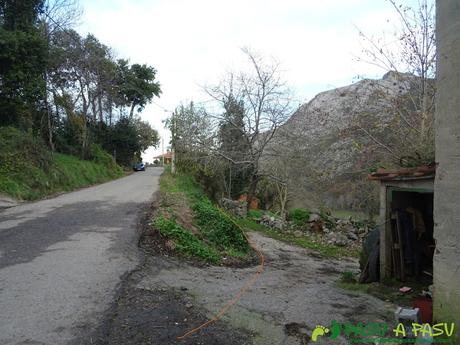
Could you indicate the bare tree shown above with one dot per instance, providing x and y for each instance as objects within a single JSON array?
[
  {"x": 277, "y": 174},
  {"x": 411, "y": 54},
  {"x": 266, "y": 103},
  {"x": 61, "y": 14}
]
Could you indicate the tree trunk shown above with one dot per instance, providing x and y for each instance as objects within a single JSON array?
[
  {"x": 93, "y": 107},
  {"x": 85, "y": 103},
  {"x": 47, "y": 105},
  {"x": 50, "y": 126},
  {"x": 131, "y": 113},
  {"x": 99, "y": 99},
  {"x": 252, "y": 190},
  {"x": 110, "y": 111},
  {"x": 48, "y": 115},
  {"x": 230, "y": 183},
  {"x": 282, "y": 196}
]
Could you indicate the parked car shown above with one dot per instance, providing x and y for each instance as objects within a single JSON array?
[{"x": 139, "y": 167}]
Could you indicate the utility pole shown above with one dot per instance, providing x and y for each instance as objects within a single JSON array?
[
  {"x": 162, "y": 152},
  {"x": 173, "y": 148}
]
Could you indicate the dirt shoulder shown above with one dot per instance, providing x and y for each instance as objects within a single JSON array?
[
  {"x": 297, "y": 291},
  {"x": 158, "y": 316},
  {"x": 7, "y": 202}
]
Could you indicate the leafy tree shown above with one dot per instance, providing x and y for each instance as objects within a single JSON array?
[
  {"x": 70, "y": 89},
  {"x": 22, "y": 85},
  {"x": 137, "y": 84},
  {"x": 124, "y": 142},
  {"x": 55, "y": 16},
  {"x": 146, "y": 136},
  {"x": 128, "y": 138},
  {"x": 234, "y": 145},
  {"x": 19, "y": 15},
  {"x": 191, "y": 130}
]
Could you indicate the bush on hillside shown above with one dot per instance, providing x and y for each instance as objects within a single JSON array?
[
  {"x": 28, "y": 170},
  {"x": 20, "y": 149},
  {"x": 100, "y": 156},
  {"x": 255, "y": 214},
  {"x": 299, "y": 216}
]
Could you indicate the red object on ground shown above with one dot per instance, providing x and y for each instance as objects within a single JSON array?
[
  {"x": 254, "y": 202},
  {"x": 425, "y": 305}
]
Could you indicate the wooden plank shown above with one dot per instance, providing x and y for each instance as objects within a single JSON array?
[{"x": 401, "y": 248}]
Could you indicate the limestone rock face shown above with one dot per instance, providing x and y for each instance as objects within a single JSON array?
[
  {"x": 334, "y": 109},
  {"x": 321, "y": 136}
]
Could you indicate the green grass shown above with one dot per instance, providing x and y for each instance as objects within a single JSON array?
[
  {"x": 353, "y": 286},
  {"x": 387, "y": 290},
  {"x": 216, "y": 234},
  {"x": 348, "y": 277},
  {"x": 29, "y": 171},
  {"x": 255, "y": 213},
  {"x": 325, "y": 250},
  {"x": 185, "y": 241},
  {"x": 299, "y": 216},
  {"x": 217, "y": 227}
]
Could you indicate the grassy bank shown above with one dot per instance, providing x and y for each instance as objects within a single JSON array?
[
  {"x": 29, "y": 171},
  {"x": 188, "y": 223}
]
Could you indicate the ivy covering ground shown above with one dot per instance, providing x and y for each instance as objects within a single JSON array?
[{"x": 208, "y": 234}]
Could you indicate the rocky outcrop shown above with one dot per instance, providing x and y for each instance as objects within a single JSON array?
[
  {"x": 272, "y": 222},
  {"x": 323, "y": 228},
  {"x": 326, "y": 151},
  {"x": 235, "y": 207}
]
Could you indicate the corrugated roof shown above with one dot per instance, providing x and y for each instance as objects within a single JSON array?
[{"x": 421, "y": 172}]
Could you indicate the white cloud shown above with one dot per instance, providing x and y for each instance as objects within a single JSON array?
[{"x": 193, "y": 43}]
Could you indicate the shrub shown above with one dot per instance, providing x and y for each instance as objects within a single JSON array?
[
  {"x": 255, "y": 214},
  {"x": 102, "y": 157},
  {"x": 28, "y": 170},
  {"x": 299, "y": 216},
  {"x": 326, "y": 215},
  {"x": 19, "y": 149}
]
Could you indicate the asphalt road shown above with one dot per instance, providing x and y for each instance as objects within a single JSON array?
[{"x": 61, "y": 259}]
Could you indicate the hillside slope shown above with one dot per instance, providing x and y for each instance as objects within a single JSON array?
[
  {"x": 29, "y": 171},
  {"x": 328, "y": 156}
]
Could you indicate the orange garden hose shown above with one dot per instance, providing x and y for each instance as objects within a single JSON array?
[{"x": 242, "y": 291}]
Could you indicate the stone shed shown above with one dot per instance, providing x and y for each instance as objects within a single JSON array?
[{"x": 406, "y": 223}]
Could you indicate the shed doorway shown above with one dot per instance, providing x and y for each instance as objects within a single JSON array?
[{"x": 411, "y": 227}]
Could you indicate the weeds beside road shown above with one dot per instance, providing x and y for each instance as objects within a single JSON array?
[{"x": 186, "y": 222}]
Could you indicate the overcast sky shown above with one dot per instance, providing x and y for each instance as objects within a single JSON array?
[{"x": 193, "y": 43}]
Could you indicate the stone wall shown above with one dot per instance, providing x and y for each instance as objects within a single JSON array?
[{"x": 447, "y": 184}]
